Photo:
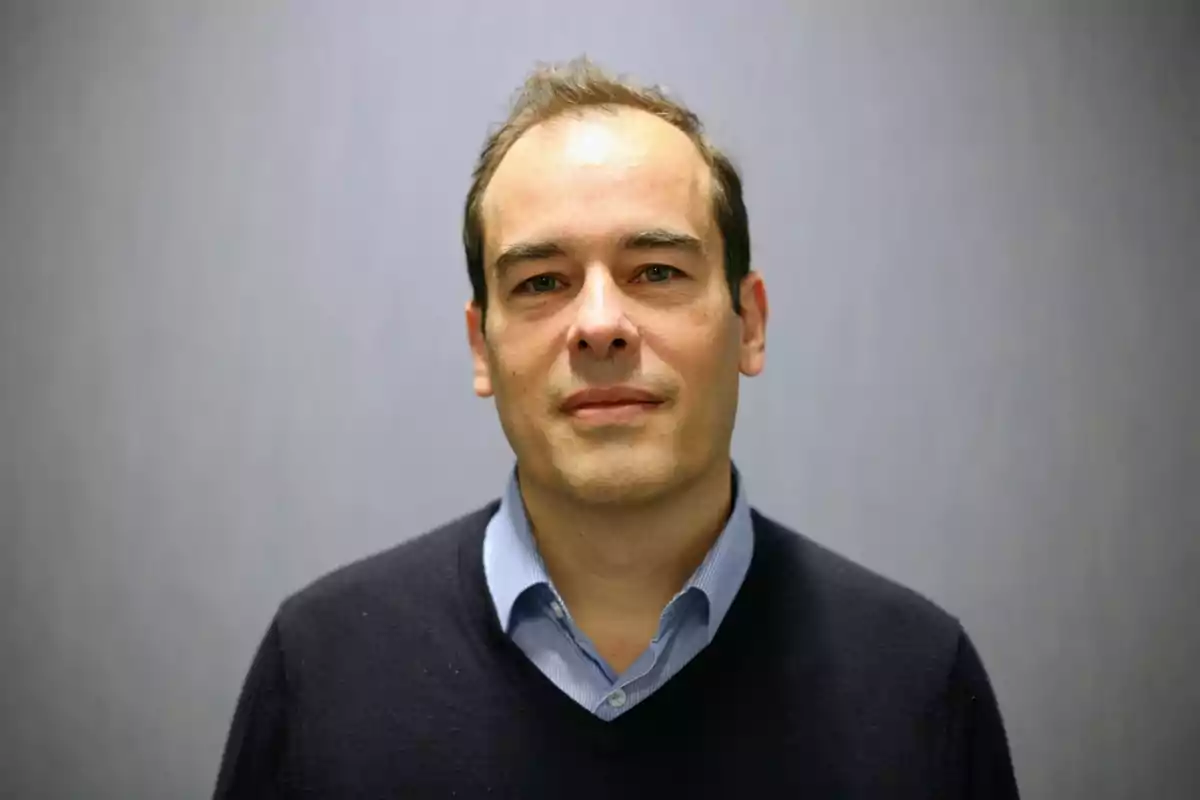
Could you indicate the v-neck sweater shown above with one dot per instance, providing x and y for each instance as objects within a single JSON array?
[{"x": 391, "y": 677}]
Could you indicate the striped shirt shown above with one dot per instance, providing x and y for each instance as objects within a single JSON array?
[{"x": 536, "y": 618}]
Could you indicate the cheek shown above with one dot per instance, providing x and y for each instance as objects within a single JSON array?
[
  {"x": 519, "y": 376},
  {"x": 699, "y": 346}
]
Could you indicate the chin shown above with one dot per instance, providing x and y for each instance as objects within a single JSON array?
[{"x": 619, "y": 474}]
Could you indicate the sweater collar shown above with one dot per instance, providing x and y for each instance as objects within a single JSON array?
[{"x": 512, "y": 564}]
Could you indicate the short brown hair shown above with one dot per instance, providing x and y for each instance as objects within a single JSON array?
[{"x": 552, "y": 90}]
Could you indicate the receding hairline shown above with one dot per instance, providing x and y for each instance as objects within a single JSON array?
[
  {"x": 552, "y": 90},
  {"x": 707, "y": 174}
]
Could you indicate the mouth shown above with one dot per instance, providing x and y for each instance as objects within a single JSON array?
[
  {"x": 613, "y": 413},
  {"x": 611, "y": 405}
]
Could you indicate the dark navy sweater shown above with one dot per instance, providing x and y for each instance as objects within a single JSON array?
[{"x": 392, "y": 678}]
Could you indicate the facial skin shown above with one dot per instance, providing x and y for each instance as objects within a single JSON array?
[{"x": 579, "y": 301}]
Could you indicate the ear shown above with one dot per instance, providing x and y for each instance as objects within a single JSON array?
[
  {"x": 479, "y": 356},
  {"x": 753, "y": 299}
]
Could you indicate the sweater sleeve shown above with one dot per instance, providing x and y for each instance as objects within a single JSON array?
[
  {"x": 980, "y": 762},
  {"x": 250, "y": 766}
]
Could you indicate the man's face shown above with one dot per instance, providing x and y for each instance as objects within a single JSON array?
[{"x": 611, "y": 344}]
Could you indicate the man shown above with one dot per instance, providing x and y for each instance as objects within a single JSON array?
[{"x": 621, "y": 623}]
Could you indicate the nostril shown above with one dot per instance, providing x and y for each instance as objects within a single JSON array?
[{"x": 617, "y": 344}]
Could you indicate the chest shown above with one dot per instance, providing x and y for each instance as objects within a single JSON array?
[{"x": 462, "y": 729}]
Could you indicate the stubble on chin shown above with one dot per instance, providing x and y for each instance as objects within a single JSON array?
[{"x": 616, "y": 472}]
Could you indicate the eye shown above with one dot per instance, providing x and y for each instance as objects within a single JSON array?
[
  {"x": 539, "y": 284},
  {"x": 659, "y": 273}
]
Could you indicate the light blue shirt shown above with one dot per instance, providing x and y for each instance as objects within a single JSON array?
[{"x": 534, "y": 616}]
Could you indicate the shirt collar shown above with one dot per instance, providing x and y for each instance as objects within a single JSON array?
[{"x": 512, "y": 563}]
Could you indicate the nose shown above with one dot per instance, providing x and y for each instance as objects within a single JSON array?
[{"x": 601, "y": 327}]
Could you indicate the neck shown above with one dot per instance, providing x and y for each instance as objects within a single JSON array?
[{"x": 617, "y": 567}]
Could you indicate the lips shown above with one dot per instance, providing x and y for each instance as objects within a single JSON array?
[{"x": 610, "y": 400}]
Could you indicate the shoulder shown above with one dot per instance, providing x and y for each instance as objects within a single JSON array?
[
  {"x": 394, "y": 580},
  {"x": 851, "y": 599}
]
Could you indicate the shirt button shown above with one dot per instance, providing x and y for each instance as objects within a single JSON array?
[
  {"x": 557, "y": 609},
  {"x": 617, "y": 698}
]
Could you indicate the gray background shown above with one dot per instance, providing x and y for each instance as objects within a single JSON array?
[{"x": 233, "y": 354}]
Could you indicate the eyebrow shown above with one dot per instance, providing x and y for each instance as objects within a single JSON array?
[{"x": 650, "y": 239}]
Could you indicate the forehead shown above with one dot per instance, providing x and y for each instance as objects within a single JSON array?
[{"x": 597, "y": 175}]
